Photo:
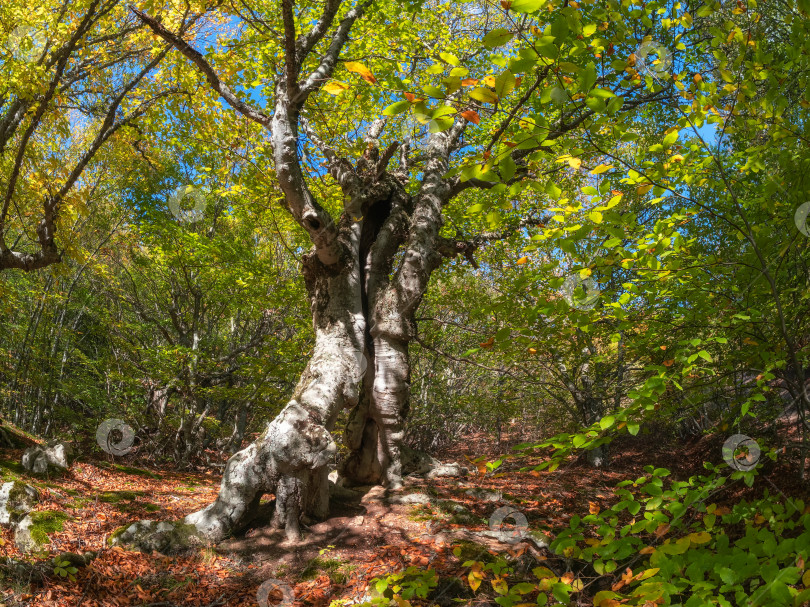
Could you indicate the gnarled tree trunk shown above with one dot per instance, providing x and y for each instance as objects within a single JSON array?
[{"x": 365, "y": 278}]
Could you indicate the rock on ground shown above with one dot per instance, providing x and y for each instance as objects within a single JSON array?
[
  {"x": 49, "y": 459},
  {"x": 420, "y": 463},
  {"x": 16, "y": 500},
  {"x": 23, "y": 538},
  {"x": 164, "y": 537}
]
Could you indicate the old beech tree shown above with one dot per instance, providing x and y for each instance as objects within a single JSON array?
[{"x": 370, "y": 266}]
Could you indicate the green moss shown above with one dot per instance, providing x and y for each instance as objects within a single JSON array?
[
  {"x": 423, "y": 512},
  {"x": 338, "y": 570},
  {"x": 137, "y": 471},
  {"x": 10, "y": 471},
  {"x": 470, "y": 551},
  {"x": 79, "y": 502},
  {"x": 151, "y": 507},
  {"x": 115, "y": 497},
  {"x": 45, "y": 522},
  {"x": 18, "y": 495},
  {"x": 116, "y": 533}
]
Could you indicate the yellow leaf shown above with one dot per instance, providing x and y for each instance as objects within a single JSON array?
[
  {"x": 593, "y": 508},
  {"x": 475, "y": 576},
  {"x": 643, "y": 189},
  {"x": 335, "y": 88},
  {"x": 500, "y": 586},
  {"x": 700, "y": 538},
  {"x": 532, "y": 350},
  {"x": 489, "y": 81},
  {"x": 522, "y": 260},
  {"x": 574, "y": 163},
  {"x": 598, "y": 170},
  {"x": 806, "y": 579},
  {"x": 362, "y": 70}
]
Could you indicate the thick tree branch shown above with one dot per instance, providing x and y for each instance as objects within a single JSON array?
[
  {"x": 291, "y": 62},
  {"x": 213, "y": 79},
  {"x": 340, "y": 168},
  {"x": 306, "y": 42},
  {"x": 330, "y": 59}
]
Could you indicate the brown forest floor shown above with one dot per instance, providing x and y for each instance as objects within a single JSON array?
[{"x": 338, "y": 557}]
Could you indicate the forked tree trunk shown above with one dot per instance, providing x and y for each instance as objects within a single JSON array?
[
  {"x": 365, "y": 278},
  {"x": 290, "y": 458}
]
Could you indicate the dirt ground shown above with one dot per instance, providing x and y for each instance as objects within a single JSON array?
[{"x": 364, "y": 537}]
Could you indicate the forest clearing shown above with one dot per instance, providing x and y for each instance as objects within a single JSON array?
[{"x": 404, "y": 304}]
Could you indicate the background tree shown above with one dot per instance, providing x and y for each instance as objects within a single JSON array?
[{"x": 75, "y": 75}]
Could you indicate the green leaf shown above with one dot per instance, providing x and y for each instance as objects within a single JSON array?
[
  {"x": 434, "y": 91},
  {"x": 526, "y": 6},
  {"x": 497, "y": 37},
  {"x": 559, "y": 29},
  {"x": 705, "y": 355},
  {"x": 449, "y": 58},
  {"x": 614, "y": 105},
  {"x": 602, "y": 93},
  {"x": 396, "y": 108},
  {"x": 606, "y": 422},
  {"x": 504, "y": 84},
  {"x": 560, "y": 592},
  {"x": 588, "y": 78},
  {"x": 670, "y": 138},
  {"x": 483, "y": 95},
  {"x": 507, "y": 167}
]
